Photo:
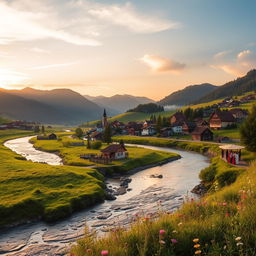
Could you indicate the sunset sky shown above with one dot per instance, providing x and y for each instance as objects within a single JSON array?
[{"x": 141, "y": 47}]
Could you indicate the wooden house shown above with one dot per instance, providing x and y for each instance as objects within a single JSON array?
[
  {"x": 221, "y": 119},
  {"x": 239, "y": 114},
  {"x": 115, "y": 152},
  {"x": 178, "y": 117},
  {"x": 202, "y": 133}
]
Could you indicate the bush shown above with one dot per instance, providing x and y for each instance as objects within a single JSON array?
[
  {"x": 227, "y": 178},
  {"x": 96, "y": 145},
  {"x": 208, "y": 174},
  {"x": 55, "y": 213}
]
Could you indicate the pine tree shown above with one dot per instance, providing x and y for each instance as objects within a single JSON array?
[
  {"x": 43, "y": 129},
  {"x": 159, "y": 124},
  {"x": 248, "y": 131},
  {"x": 79, "y": 132},
  {"x": 88, "y": 141},
  {"x": 107, "y": 134},
  {"x": 36, "y": 129}
]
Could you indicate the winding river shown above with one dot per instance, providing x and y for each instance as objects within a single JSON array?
[{"x": 146, "y": 196}]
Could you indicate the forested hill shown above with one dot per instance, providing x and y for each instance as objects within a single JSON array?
[
  {"x": 187, "y": 95},
  {"x": 233, "y": 88}
]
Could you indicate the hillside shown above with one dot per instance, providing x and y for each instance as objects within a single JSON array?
[
  {"x": 118, "y": 104},
  {"x": 187, "y": 95},
  {"x": 233, "y": 88},
  {"x": 59, "y": 106}
]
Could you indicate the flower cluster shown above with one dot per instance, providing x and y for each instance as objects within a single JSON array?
[{"x": 197, "y": 246}]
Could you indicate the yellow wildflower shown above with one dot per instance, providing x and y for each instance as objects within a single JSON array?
[
  {"x": 198, "y": 252},
  {"x": 196, "y": 240},
  {"x": 196, "y": 245}
]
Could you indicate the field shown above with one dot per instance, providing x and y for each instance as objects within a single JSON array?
[
  {"x": 32, "y": 190},
  {"x": 133, "y": 116},
  {"x": 222, "y": 223},
  {"x": 71, "y": 154}
]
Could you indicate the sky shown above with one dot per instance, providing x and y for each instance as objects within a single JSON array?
[{"x": 140, "y": 47}]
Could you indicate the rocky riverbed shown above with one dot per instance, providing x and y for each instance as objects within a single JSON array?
[{"x": 145, "y": 193}]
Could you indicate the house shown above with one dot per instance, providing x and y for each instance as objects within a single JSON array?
[
  {"x": 221, "y": 119},
  {"x": 177, "y": 127},
  {"x": 96, "y": 135},
  {"x": 188, "y": 127},
  {"x": 202, "y": 133},
  {"x": 148, "y": 131},
  {"x": 166, "y": 132},
  {"x": 177, "y": 117},
  {"x": 239, "y": 114},
  {"x": 115, "y": 152},
  {"x": 134, "y": 128},
  {"x": 201, "y": 122},
  {"x": 147, "y": 123},
  {"x": 52, "y": 136}
]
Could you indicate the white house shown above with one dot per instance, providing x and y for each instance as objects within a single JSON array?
[{"x": 148, "y": 131}]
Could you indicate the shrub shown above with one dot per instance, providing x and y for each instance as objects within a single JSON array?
[
  {"x": 96, "y": 145},
  {"x": 227, "y": 178},
  {"x": 208, "y": 173}
]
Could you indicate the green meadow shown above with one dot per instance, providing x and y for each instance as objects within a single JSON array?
[
  {"x": 221, "y": 223},
  {"x": 71, "y": 154},
  {"x": 31, "y": 191}
]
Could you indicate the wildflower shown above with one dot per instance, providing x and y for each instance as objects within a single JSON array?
[
  {"x": 174, "y": 231},
  {"x": 89, "y": 251},
  {"x": 105, "y": 252},
  {"x": 239, "y": 244},
  {"x": 174, "y": 241},
  {"x": 162, "y": 242},
  {"x": 162, "y": 231},
  {"x": 238, "y": 238},
  {"x": 227, "y": 214},
  {"x": 198, "y": 252},
  {"x": 196, "y": 240},
  {"x": 224, "y": 204},
  {"x": 180, "y": 224},
  {"x": 225, "y": 247},
  {"x": 196, "y": 245}
]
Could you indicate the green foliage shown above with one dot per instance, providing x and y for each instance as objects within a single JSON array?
[
  {"x": 43, "y": 129},
  {"x": 36, "y": 129},
  {"x": 227, "y": 178},
  {"x": 208, "y": 173},
  {"x": 159, "y": 124},
  {"x": 79, "y": 133},
  {"x": 96, "y": 145},
  {"x": 248, "y": 131},
  {"x": 107, "y": 135},
  {"x": 147, "y": 108}
]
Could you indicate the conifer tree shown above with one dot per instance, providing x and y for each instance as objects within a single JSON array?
[
  {"x": 248, "y": 131},
  {"x": 107, "y": 134}
]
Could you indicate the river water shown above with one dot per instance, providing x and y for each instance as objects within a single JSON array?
[{"x": 146, "y": 197}]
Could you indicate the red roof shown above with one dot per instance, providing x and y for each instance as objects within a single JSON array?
[{"x": 113, "y": 148}]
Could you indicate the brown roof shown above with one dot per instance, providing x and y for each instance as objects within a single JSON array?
[
  {"x": 237, "y": 110},
  {"x": 200, "y": 130},
  {"x": 179, "y": 116},
  {"x": 113, "y": 148},
  {"x": 225, "y": 116}
]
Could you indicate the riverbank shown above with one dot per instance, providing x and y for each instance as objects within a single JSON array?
[
  {"x": 178, "y": 177},
  {"x": 55, "y": 192},
  {"x": 221, "y": 223}
]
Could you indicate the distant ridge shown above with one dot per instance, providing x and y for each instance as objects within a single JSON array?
[
  {"x": 119, "y": 104},
  {"x": 187, "y": 95},
  {"x": 237, "y": 87},
  {"x": 59, "y": 106}
]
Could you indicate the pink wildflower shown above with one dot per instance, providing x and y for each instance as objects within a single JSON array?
[
  {"x": 103, "y": 253},
  {"x": 174, "y": 241},
  {"x": 162, "y": 231}
]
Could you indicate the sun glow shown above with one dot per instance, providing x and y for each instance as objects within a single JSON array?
[{"x": 9, "y": 78}]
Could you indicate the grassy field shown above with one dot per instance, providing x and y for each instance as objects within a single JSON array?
[
  {"x": 71, "y": 154},
  {"x": 222, "y": 223},
  {"x": 33, "y": 190},
  {"x": 3, "y": 120},
  {"x": 133, "y": 116}
]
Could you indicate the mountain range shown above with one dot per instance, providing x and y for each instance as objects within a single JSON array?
[
  {"x": 118, "y": 104},
  {"x": 187, "y": 95}
]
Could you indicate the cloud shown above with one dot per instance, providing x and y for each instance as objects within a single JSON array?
[
  {"x": 127, "y": 17},
  {"x": 54, "y": 66},
  {"x": 76, "y": 22},
  {"x": 240, "y": 65},
  {"x": 160, "y": 64},
  {"x": 221, "y": 54},
  {"x": 39, "y": 50}
]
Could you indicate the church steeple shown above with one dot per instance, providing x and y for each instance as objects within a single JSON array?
[{"x": 104, "y": 119}]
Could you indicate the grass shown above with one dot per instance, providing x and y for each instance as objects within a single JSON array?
[
  {"x": 222, "y": 223},
  {"x": 133, "y": 116},
  {"x": 33, "y": 190},
  {"x": 3, "y": 120},
  {"x": 71, "y": 154},
  {"x": 231, "y": 133}
]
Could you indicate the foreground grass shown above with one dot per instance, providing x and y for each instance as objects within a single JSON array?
[
  {"x": 222, "y": 223},
  {"x": 33, "y": 190},
  {"x": 138, "y": 157}
]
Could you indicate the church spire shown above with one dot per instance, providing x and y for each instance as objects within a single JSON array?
[{"x": 104, "y": 119}]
